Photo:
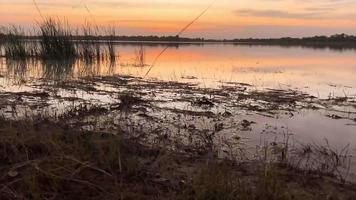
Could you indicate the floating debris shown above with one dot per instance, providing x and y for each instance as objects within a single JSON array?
[{"x": 203, "y": 102}]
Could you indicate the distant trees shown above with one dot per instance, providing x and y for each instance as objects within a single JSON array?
[{"x": 333, "y": 39}]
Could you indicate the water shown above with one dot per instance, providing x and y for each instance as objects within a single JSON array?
[
  {"x": 324, "y": 73},
  {"x": 320, "y": 72}
]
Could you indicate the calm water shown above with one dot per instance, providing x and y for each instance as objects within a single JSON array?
[
  {"x": 320, "y": 72},
  {"x": 323, "y": 73}
]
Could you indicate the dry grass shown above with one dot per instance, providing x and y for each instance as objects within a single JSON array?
[
  {"x": 46, "y": 161},
  {"x": 258, "y": 181},
  {"x": 43, "y": 160}
]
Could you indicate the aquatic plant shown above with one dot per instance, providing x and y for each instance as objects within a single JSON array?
[
  {"x": 88, "y": 48},
  {"x": 2, "y": 40},
  {"x": 15, "y": 47},
  {"x": 111, "y": 45},
  {"x": 322, "y": 159},
  {"x": 55, "y": 40},
  {"x": 140, "y": 57},
  {"x": 57, "y": 70}
]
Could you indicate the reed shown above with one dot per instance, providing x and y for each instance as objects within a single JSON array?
[
  {"x": 57, "y": 71},
  {"x": 55, "y": 40},
  {"x": 140, "y": 57},
  {"x": 14, "y": 47},
  {"x": 110, "y": 45},
  {"x": 88, "y": 49},
  {"x": 2, "y": 40}
]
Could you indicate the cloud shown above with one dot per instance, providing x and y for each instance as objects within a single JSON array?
[{"x": 282, "y": 14}]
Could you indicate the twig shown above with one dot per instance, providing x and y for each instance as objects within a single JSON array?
[
  {"x": 87, "y": 165},
  {"x": 178, "y": 34},
  {"x": 38, "y": 10}
]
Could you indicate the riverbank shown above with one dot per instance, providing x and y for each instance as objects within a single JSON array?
[{"x": 46, "y": 160}]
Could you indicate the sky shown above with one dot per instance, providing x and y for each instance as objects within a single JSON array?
[{"x": 225, "y": 19}]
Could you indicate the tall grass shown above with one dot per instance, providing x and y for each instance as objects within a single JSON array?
[
  {"x": 55, "y": 40},
  {"x": 110, "y": 45},
  {"x": 2, "y": 40},
  {"x": 140, "y": 57},
  {"x": 58, "y": 70},
  {"x": 89, "y": 49},
  {"x": 15, "y": 48},
  {"x": 38, "y": 163},
  {"x": 224, "y": 181},
  {"x": 16, "y": 69}
]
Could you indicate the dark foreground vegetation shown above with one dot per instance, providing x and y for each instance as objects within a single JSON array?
[{"x": 46, "y": 160}]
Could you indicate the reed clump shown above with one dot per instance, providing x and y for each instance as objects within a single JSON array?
[
  {"x": 2, "y": 40},
  {"x": 111, "y": 45},
  {"x": 56, "y": 40},
  {"x": 140, "y": 57},
  {"x": 88, "y": 48},
  {"x": 14, "y": 46}
]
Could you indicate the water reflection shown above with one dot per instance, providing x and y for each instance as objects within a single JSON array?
[
  {"x": 57, "y": 70},
  {"x": 20, "y": 72},
  {"x": 320, "y": 72},
  {"x": 17, "y": 70}
]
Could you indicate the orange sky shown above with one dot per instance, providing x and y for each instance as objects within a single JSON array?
[{"x": 225, "y": 19}]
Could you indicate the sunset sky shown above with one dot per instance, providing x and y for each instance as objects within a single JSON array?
[{"x": 225, "y": 19}]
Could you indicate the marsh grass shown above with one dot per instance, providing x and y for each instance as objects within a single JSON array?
[
  {"x": 2, "y": 41},
  {"x": 57, "y": 70},
  {"x": 215, "y": 181},
  {"x": 140, "y": 57},
  {"x": 89, "y": 49},
  {"x": 322, "y": 159},
  {"x": 224, "y": 180},
  {"x": 14, "y": 46},
  {"x": 38, "y": 162},
  {"x": 111, "y": 45},
  {"x": 55, "y": 40},
  {"x": 17, "y": 69}
]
